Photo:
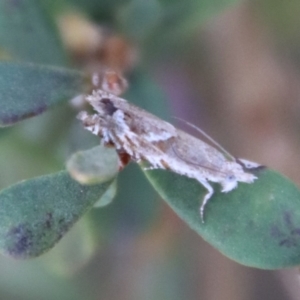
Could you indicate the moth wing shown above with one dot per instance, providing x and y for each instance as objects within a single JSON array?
[
  {"x": 146, "y": 125},
  {"x": 198, "y": 153}
]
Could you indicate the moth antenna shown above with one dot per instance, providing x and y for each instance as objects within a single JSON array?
[
  {"x": 193, "y": 163},
  {"x": 215, "y": 143}
]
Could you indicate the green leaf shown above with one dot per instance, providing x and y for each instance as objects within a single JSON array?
[
  {"x": 35, "y": 282},
  {"x": 28, "y": 33},
  {"x": 36, "y": 213},
  {"x": 21, "y": 159},
  {"x": 165, "y": 27},
  {"x": 256, "y": 224},
  {"x": 140, "y": 17},
  {"x": 282, "y": 20},
  {"x": 27, "y": 90},
  {"x": 94, "y": 165},
  {"x": 207, "y": 8},
  {"x": 283, "y": 17}
]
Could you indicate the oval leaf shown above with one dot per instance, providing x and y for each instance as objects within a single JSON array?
[
  {"x": 27, "y": 90},
  {"x": 36, "y": 213},
  {"x": 94, "y": 165},
  {"x": 256, "y": 224}
]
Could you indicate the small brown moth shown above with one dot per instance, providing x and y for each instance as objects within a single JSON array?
[{"x": 140, "y": 136}]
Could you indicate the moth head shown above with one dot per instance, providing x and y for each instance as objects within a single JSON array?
[
  {"x": 235, "y": 173},
  {"x": 102, "y": 102}
]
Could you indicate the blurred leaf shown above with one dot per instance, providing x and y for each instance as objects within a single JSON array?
[
  {"x": 21, "y": 159},
  {"x": 256, "y": 224},
  {"x": 207, "y": 8},
  {"x": 28, "y": 33},
  {"x": 283, "y": 16},
  {"x": 48, "y": 131},
  {"x": 36, "y": 213},
  {"x": 139, "y": 17},
  {"x": 53, "y": 6},
  {"x": 282, "y": 19},
  {"x": 27, "y": 280},
  {"x": 164, "y": 27},
  {"x": 27, "y": 90},
  {"x": 94, "y": 165}
]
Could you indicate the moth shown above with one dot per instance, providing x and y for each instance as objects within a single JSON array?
[{"x": 139, "y": 136}]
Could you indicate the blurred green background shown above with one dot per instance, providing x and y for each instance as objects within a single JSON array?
[{"x": 230, "y": 67}]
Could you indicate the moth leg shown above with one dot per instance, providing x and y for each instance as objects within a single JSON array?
[
  {"x": 158, "y": 165},
  {"x": 151, "y": 168},
  {"x": 208, "y": 195}
]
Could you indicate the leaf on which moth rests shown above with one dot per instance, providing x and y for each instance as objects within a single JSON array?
[
  {"x": 27, "y": 90},
  {"x": 35, "y": 214},
  {"x": 256, "y": 224},
  {"x": 94, "y": 165}
]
